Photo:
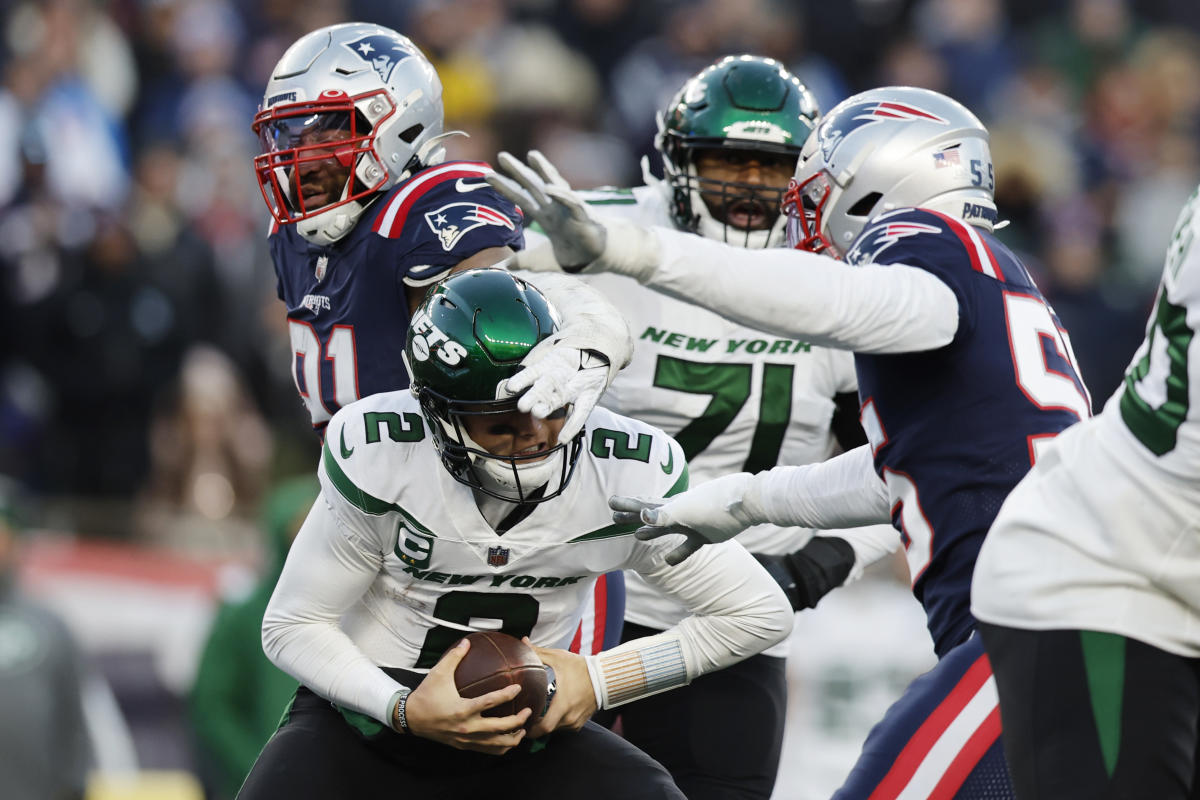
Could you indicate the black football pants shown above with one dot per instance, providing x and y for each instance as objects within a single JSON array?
[
  {"x": 1095, "y": 716},
  {"x": 721, "y": 735},
  {"x": 317, "y": 755}
]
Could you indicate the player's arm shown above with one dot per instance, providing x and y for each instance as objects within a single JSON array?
[
  {"x": 843, "y": 492},
  {"x": 872, "y": 309},
  {"x": 738, "y": 610},
  {"x": 328, "y": 569},
  {"x": 487, "y": 257},
  {"x": 827, "y": 561}
]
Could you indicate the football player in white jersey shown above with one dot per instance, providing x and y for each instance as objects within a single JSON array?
[
  {"x": 1088, "y": 584},
  {"x": 735, "y": 398},
  {"x": 446, "y": 510}
]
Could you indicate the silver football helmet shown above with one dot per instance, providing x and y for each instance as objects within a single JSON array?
[
  {"x": 350, "y": 111},
  {"x": 888, "y": 148}
]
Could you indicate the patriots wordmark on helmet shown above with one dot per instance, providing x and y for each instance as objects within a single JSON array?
[
  {"x": 381, "y": 51},
  {"x": 454, "y": 220}
]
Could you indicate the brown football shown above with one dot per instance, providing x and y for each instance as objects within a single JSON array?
[{"x": 496, "y": 660}]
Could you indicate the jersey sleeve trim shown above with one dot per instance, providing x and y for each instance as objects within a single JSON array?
[
  {"x": 681, "y": 485},
  {"x": 358, "y": 498},
  {"x": 607, "y": 532},
  {"x": 418, "y": 282},
  {"x": 392, "y": 217}
]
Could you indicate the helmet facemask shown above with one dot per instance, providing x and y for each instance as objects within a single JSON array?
[
  {"x": 530, "y": 478},
  {"x": 710, "y": 204},
  {"x": 351, "y": 109},
  {"x": 465, "y": 341},
  {"x": 738, "y": 109},
  {"x": 320, "y": 157}
]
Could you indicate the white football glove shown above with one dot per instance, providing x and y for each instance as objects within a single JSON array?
[
  {"x": 557, "y": 376},
  {"x": 579, "y": 240},
  {"x": 711, "y": 513}
]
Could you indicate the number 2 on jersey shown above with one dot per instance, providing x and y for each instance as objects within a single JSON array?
[{"x": 307, "y": 354}]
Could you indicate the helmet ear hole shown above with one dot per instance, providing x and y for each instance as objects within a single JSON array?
[
  {"x": 409, "y": 135},
  {"x": 863, "y": 207}
]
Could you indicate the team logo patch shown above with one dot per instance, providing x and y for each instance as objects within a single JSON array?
[
  {"x": 880, "y": 238},
  {"x": 382, "y": 52},
  {"x": 840, "y": 125},
  {"x": 497, "y": 556},
  {"x": 452, "y": 222}
]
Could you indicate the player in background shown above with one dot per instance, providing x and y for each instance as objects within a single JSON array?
[
  {"x": 736, "y": 399},
  {"x": 446, "y": 510},
  {"x": 367, "y": 214},
  {"x": 964, "y": 373},
  {"x": 1088, "y": 586}
]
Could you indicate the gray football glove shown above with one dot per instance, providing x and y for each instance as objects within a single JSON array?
[
  {"x": 577, "y": 237},
  {"x": 708, "y": 514}
]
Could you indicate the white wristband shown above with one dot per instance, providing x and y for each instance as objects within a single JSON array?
[{"x": 638, "y": 669}]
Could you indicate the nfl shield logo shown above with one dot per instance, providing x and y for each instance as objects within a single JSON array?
[
  {"x": 497, "y": 556},
  {"x": 322, "y": 264}
]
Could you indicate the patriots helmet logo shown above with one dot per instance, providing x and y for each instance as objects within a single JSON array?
[
  {"x": 840, "y": 124},
  {"x": 381, "y": 51},
  {"x": 880, "y": 237},
  {"x": 453, "y": 221}
]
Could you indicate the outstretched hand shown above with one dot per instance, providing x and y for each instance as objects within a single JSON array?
[
  {"x": 436, "y": 711},
  {"x": 576, "y": 236},
  {"x": 708, "y": 514},
  {"x": 556, "y": 376}
]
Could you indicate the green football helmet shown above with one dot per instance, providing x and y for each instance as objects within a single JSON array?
[
  {"x": 747, "y": 103},
  {"x": 465, "y": 341}
]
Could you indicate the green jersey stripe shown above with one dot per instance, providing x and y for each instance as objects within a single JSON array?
[{"x": 360, "y": 499}]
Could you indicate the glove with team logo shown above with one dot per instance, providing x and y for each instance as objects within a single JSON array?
[
  {"x": 579, "y": 240},
  {"x": 711, "y": 513}
]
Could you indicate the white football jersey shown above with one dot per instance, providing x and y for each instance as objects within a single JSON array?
[
  {"x": 443, "y": 570},
  {"x": 735, "y": 398},
  {"x": 1104, "y": 532}
]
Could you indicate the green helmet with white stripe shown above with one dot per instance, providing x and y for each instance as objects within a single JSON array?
[
  {"x": 465, "y": 340},
  {"x": 744, "y": 106}
]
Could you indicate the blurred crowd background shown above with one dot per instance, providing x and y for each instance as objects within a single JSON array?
[{"x": 146, "y": 408}]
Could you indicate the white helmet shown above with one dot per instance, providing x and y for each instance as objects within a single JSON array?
[
  {"x": 359, "y": 95},
  {"x": 883, "y": 149}
]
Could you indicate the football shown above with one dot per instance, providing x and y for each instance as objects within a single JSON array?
[{"x": 496, "y": 660}]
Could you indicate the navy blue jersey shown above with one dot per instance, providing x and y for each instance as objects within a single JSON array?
[
  {"x": 347, "y": 304},
  {"x": 954, "y": 429}
]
